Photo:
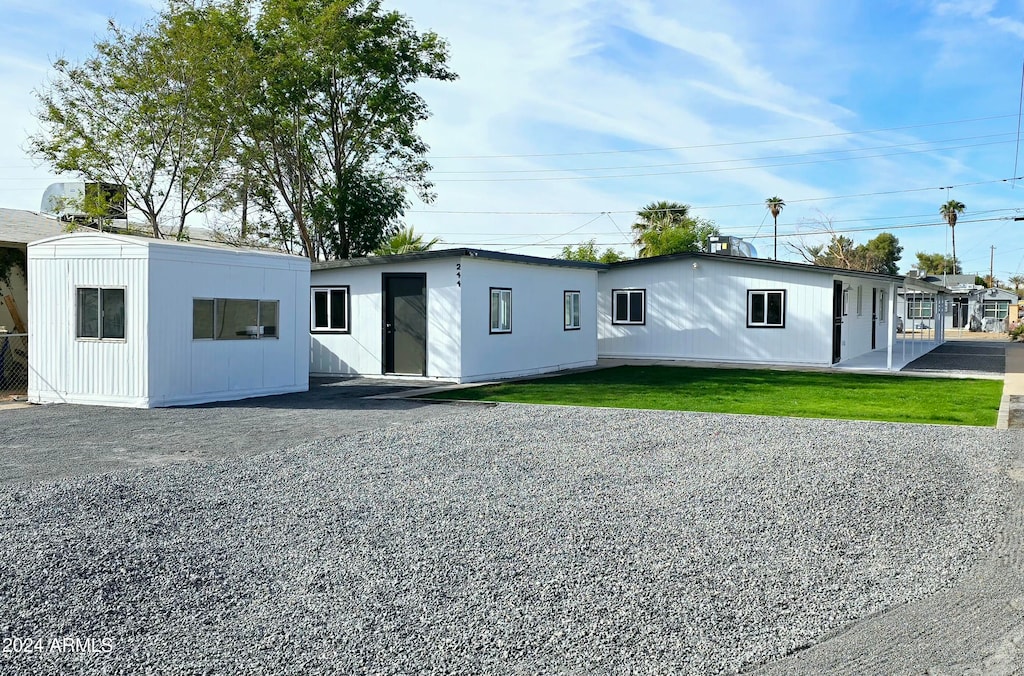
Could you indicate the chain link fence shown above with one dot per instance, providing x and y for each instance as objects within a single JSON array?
[{"x": 13, "y": 365}]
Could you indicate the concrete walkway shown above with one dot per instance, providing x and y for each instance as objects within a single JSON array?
[
  {"x": 1011, "y": 412},
  {"x": 976, "y": 626}
]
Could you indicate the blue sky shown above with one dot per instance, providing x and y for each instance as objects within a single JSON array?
[{"x": 569, "y": 115}]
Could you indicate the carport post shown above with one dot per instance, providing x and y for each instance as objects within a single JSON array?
[{"x": 891, "y": 309}]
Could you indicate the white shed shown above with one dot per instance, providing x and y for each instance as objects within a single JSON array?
[
  {"x": 129, "y": 321},
  {"x": 459, "y": 315}
]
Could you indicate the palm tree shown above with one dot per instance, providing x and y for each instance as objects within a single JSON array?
[
  {"x": 404, "y": 241},
  {"x": 658, "y": 216},
  {"x": 775, "y": 206},
  {"x": 1017, "y": 281},
  {"x": 949, "y": 211}
]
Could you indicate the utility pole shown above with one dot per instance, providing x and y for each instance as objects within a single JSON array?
[{"x": 991, "y": 266}]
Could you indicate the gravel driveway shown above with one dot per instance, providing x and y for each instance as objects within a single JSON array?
[
  {"x": 51, "y": 442},
  {"x": 504, "y": 539}
]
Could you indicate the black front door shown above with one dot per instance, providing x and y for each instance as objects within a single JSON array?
[
  {"x": 959, "y": 313},
  {"x": 405, "y": 324},
  {"x": 837, "y": 321},
  {"x": 874, "y": 315}
]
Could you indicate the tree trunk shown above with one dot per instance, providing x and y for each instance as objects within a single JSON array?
[
  {"x": 775, "y": 219},
  {"x": 953, "y": 230}
]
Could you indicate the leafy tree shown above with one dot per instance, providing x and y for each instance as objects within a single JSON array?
[
  {"x": 587, "y": 252},
  {"x": 303, "y": 111},
  {"x": 142, "y": 112},
  {"x": 882, "y": 254},
  {"x": 691, "y": 235},
  {"x": 950, "y": 211},
  {"x": 330, "y": 118},
  {"x": 11, "y": 258},
  {"x": 657, "y": 215},
  {"x": 775, "y": 206},
  {"x": 937, "y": 264},
  {"x": 404, "y": 241}
]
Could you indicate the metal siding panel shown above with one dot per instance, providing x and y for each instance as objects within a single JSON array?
[
  {"x": 155, "y": 364},
  {"x": 700, "y": 313},
  {"x": 359, "y": 352},
  {"x": 108, "y": 370},
  {"x": 538, "y": 342}
]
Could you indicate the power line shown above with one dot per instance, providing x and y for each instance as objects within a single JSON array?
[
  {"x": 736, "y": 159},
  {"x": 709, "y": 171},
  {"x": 798, "y": 233},
  {"x": 709, "y": 206},
  {"x": 722, "y": 145},
  {"x": 504, "y": 233}
]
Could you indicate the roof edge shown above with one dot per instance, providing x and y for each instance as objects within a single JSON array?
[{"x": 457, "y": 253}]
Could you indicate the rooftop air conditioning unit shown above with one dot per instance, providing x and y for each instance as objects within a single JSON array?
[
  {"x": 730, "y": 246},
  {"x": 81, "y": 200}
]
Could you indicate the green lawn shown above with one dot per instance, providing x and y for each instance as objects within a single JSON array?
[{"x": 794, "y": 393}]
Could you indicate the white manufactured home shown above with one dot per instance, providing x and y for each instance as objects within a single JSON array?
[
  {"x": 129, "y": 321},
  {"x": 747, "y": 310},
  {"x": 467, "y": 315},
  {"x": 460, "y": 315}
]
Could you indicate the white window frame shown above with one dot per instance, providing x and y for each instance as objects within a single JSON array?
[
  {"x": 996, "y": 309},
  {"x": 329, "y": 292},
  {"x": 629, "y": 319},
  {"x": 763, "y": 323},
  {"x": 846, "y": 301},
  {"x": 571, "y": 311},
  {"x": 500, "y": 299},
  {"x": 883, "y": 309},
  {"x": 860, "y": 300},
  {"x": 99, "y": 337},
  {"x": 917, "y": 306}
]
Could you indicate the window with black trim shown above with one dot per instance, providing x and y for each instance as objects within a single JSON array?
[
  {"x": 860, "y": 300},
  {"x": 572, "y": 310},
  {"x": 629, "y": 306},
  {"x": 234, "y": 319},
  {"x": 766, "y": 309},
  {"x": 501, "y": 310},
  {"x": 329, "y": 310},
  {"x": 100, "y": 313}
]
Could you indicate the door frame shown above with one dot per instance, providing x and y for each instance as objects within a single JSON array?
[
  {"x": 874, "y": 316},
  {"x": 837, "y": 321},
  {"x": 385, "y": 277}
]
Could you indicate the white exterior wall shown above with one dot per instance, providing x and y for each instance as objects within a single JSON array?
[
  {"x": 183, "y": 370},
  {"x": 64, "y": 369},
  {"x": 857, "y": 323},
  {"x": 158, "y": 363},
  {"x": 538, "y": 342},
  {"x": 360, "y": 352},
  {"x": 700, "y": 312}
]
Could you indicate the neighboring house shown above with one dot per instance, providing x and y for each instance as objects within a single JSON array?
[
  {"x": 992, "y": 310},
  {"x": 460, "y": 315},
  {"x": 467, "y": 315},
  {"x": 17, "y": 229},
  {"x": 960, "y": 288},
  {"x": 131, "y": 321},
  {"x": 975, "y": 307}
]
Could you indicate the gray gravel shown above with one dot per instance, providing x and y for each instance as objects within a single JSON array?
[{"x": 508, "y": 539}]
